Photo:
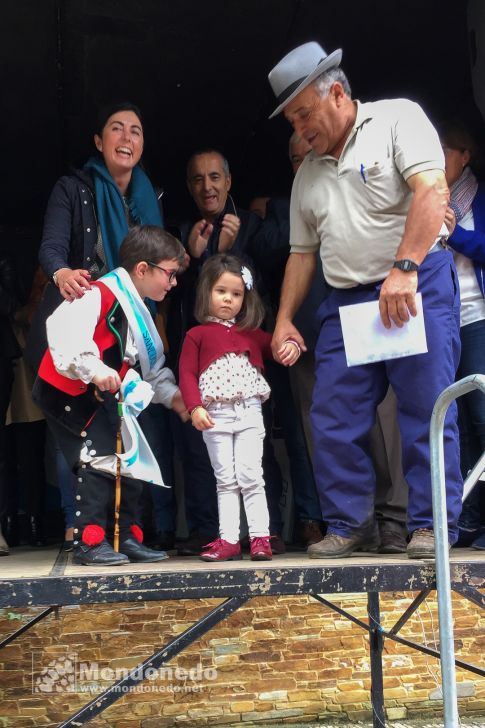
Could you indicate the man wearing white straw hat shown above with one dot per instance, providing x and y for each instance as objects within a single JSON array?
[{"x": 370, "y": 198}]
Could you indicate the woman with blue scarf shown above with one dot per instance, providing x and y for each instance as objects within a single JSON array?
[
  {"x": 89, "y": 212},
  {"x": 88, "y": 215},
  {"x": 467, "y": 238}
]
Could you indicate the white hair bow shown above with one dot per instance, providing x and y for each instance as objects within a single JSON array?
[{"x": 247, "y": 277}]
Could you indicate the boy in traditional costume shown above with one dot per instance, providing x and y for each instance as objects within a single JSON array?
[{"x": 94, "y": 344}]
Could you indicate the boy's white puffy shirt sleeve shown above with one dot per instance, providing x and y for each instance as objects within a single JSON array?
[
  {"x": 163, "y": 383},
  {"x": 70, "y": 331}
]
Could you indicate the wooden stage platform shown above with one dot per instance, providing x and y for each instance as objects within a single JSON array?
[
  {"x": 41, "y": 577},
  {"x": 46, "y": 578}
]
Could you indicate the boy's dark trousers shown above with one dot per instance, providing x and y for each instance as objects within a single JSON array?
[{"x": 95, "y": 489}]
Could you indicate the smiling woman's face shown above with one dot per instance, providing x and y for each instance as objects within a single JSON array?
[{"x": 121, "y": 142}]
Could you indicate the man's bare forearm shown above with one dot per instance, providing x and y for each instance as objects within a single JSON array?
[
  {"x": 299, "y": 273},
  {"x": 425, "y": 216}
]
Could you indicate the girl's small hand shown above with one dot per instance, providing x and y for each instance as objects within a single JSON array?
[
  {"x": 285, "y": 331},
  {"x": 289, "y": 353},
  {"x": 201, "y": 419}
]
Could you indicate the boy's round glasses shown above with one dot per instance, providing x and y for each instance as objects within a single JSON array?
[{"x": 172, "y": 274}]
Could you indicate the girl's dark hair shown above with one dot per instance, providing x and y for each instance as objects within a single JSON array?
[
  {"x": 149, "y": 243},
  {"x": 252, "y": 311},
  {"x": 108, "y": 110}
]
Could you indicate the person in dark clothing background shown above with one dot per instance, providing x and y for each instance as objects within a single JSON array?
[
  {"x": 9, "y": 351},
  {"x": 270, "y": 249},
  {"x": 218, "y": 226}
]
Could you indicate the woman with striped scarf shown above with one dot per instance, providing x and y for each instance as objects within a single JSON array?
[{"x": 466, "y": 222}]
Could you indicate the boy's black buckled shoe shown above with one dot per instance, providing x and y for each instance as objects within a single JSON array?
[
  {"x": 136, "y": 551},
  {"x": 100, "y": 555}
]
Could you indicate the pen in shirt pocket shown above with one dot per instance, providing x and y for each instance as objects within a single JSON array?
[{"x": 362, "y": 173}]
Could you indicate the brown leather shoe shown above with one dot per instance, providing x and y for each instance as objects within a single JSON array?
[
  {"x": 310, "y": 532},
  {"x": 277, "y": 544},
  {"x": 334, "y": 546},
  {"x": 421, "y": 545}
]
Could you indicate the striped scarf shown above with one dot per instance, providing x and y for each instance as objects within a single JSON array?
[{"x": 462, "y": 193}]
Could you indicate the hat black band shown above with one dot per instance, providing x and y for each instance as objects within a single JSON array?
[{"x": 289, "y": 90}]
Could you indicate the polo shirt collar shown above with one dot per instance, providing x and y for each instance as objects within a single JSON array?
[{"x": 364, "y": 113}]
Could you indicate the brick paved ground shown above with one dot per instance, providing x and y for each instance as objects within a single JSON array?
[{"x": 425, "y": 723}]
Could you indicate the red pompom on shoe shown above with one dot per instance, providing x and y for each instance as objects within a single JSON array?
[
  {"x": 93, "y": 535},
  {"x": 137, "y": 533}
]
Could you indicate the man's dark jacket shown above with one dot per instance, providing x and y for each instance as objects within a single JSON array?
[{"x": 181, "y": 299}]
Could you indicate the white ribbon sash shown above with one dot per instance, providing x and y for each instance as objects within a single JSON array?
[
  {"x": 142, "y": 326},
  {"x": 137, "y": 461}
]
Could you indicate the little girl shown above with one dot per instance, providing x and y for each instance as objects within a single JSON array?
[{"x": 223, "y": 388}]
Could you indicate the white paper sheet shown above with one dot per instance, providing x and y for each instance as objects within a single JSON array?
[{"x": 367, "y": 340}]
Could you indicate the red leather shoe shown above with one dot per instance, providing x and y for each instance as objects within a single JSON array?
[
  {"x": 261, "y": 549},
  {"x": 220, "y": 550}
]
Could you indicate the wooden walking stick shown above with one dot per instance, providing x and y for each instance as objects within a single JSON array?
[{"x": 119, "y": 450}]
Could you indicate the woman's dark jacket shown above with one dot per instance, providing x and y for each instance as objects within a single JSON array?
[
  {"x": 181, "y": 300},
  {"x": 68, "y": 241}
]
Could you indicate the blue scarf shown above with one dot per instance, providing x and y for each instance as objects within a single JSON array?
[{"x": 143, "y": 206}]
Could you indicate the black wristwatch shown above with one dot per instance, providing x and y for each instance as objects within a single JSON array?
[{"x": 406, "y": 265}]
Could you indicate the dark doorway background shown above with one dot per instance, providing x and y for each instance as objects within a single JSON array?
[{"x": 198, "y": 71}]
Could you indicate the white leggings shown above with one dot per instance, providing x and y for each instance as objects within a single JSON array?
[{"x": 235, "y": 447}]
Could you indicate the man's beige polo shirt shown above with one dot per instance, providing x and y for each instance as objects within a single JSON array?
[{"x": 354, "y": 209}]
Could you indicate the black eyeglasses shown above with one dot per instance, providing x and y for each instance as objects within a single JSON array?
[{"x": 172, "y": 274}]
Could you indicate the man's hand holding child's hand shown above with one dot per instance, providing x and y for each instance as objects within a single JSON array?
[{"x": 289, "y": 352}]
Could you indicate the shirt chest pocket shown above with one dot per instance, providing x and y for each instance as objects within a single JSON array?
[
  {"x": 372, "y": 171},
  {"x": 378, "y": 182}
]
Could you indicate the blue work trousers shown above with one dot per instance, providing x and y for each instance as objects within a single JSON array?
[{"x": 345, "y": 401}]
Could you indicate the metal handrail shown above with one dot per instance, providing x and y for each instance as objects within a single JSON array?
[{"x": 440, "y": 525}]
